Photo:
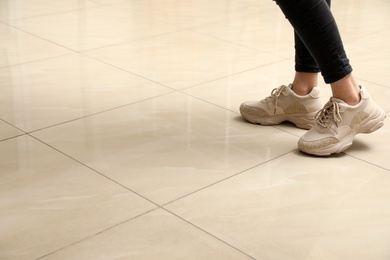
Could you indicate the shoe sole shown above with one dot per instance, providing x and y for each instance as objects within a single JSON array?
[
  {"x": 304, "y": 121},
  {"x": 371, "y": 124}
]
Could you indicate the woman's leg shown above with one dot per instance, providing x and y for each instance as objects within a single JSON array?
[
  {"x": 306, "y": 75},
  {"x": 316, "y": 27},
  {"x": 313, "y": 21},
  {"x": 351, "y": 110},
  {"x": 306, "y": 68}
]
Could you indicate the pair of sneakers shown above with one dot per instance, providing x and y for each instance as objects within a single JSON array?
[{"x": 332, "y": 127}]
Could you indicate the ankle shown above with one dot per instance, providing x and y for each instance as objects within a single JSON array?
[
  {"x": 304, "y": 82},
  {"x": 301, "y": 90},
  {"x": 347, "y": 89},
  {"x": 350, "y": 98}
]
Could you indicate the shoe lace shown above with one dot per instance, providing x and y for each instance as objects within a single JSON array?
[
  {"x": 273, "y": 98},
  {"x": 329, "y": 114}
]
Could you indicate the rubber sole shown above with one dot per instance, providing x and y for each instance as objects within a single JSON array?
[{"x": 304, "y": 121}]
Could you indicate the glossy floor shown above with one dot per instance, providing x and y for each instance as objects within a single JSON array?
[{"x": 120, "y": 135}]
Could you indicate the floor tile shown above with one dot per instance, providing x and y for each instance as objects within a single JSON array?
[
  {"x": 49, "y": 201},
  {"x": 187, "y": 14},
  {"x": 358, "y": 19},
  {"x": 369, "y": 63},
  {"x": 18, "y": 47},
  {"x": 156, "y": 235},
  {"x": 49, "y": 92},
  {"x": 258, "y": 3},
  {"x": 93, "y": 27},
  {"x": 18, "y": 9},
  {"x": 373, "y": 148},
  {"x": 251, "y": 30},
  {"x": 8, "y": 131},
  {"x": 182, "y": 59},
  {"x": 168, "y": 147},
  {"x": 298, "y": 207},
  {"x": 111, "y": 2},
  {"x": 121, "y": 137}
]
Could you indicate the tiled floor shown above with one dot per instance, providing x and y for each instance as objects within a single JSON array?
[{"x": 120, "y": 136}]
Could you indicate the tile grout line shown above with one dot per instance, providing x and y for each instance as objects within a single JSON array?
[
  {"x": 92, "y": 169},
  {"x": 193, "y": 30},
  {"x": 98, "y": 233},
  {"x": 157, "y": 206},
  {"x": 370, "y": 163},
  {"x": 227, "y": 178},
  {"x": 211, "y": 185},
  {"x": 13, "y": 126},
  {"x": 208, "y": 233},
  {"x": 97, "y": 113}
]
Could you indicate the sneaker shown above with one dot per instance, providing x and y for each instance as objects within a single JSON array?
[
  {"x": 284, "y": 105},
  {"x": 338, "y": 123}
]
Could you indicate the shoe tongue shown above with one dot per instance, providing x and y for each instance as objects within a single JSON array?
[{"x": 339, "y": 101}]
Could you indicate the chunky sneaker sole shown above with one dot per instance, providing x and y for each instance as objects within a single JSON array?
[
  {"x": 338, "y": 123},
  {"x": 283, "y": 105}
]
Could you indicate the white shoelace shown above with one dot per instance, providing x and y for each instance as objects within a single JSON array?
[{"x": 329, "y": 114}]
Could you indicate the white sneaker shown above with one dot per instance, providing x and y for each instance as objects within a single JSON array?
[
  {"x": 284, "y": 105},
  {"x": 338, "y": 123}
]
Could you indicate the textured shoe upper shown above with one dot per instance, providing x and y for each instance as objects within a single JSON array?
[
  {"x": 283, "y": 101},
  {"x": 337, "y": 118},
  {"x": 339, "y": 122}
]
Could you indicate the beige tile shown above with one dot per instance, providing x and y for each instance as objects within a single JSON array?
[
  {"x": 187, "y": 14},
  {"x": 182, "y": 59},
  {"x": 17, "y": 9},
  {"x": 18, "y": 47},
  {"x": 49, "y": 92},
  {"x": 358, "y": 19},
  {"x": 255, "y": 31},
  {"x": 92, "y": 28},
  {"x": 370, "y": 58},
  {"x": 156, "y": 235},
  {"x": 373, "y": 148},
  {"x": 49, "y": 201},
  {"x": 159, "y": 117},
  {"x": 8, "y": 131},
  {"x": 168, "y": 147},
  {"x": 364, "y": 26},
  {"x": 112, "y": 2},
  {"x": 298, "y": 207},
  {"x": 260, "y": 4}
]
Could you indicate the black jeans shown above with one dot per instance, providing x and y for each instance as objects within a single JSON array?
[{"x": 318, "y": 45}]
